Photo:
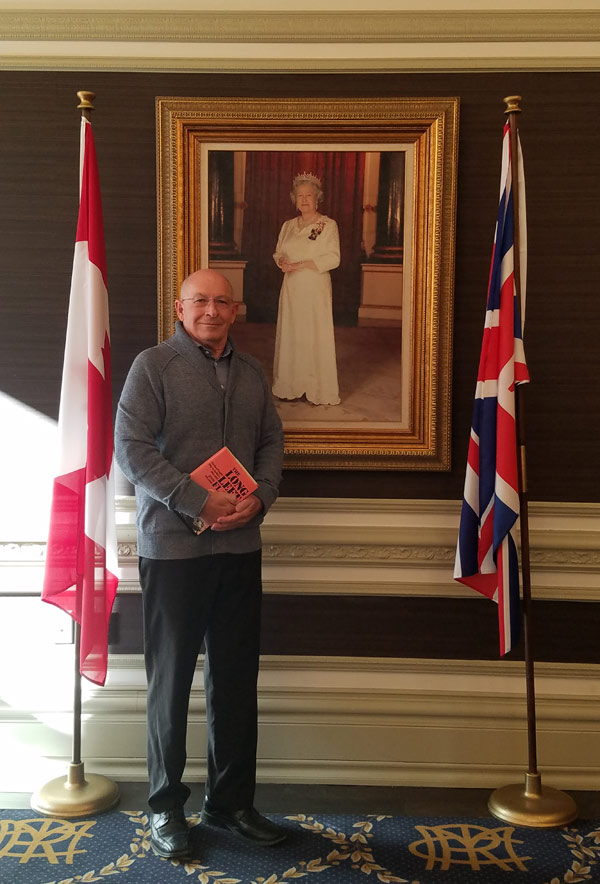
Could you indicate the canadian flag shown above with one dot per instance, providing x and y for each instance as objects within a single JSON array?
[{"x": 81, "y": 559}]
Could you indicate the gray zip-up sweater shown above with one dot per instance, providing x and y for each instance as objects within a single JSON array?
[{"x": 172, "y": 415}]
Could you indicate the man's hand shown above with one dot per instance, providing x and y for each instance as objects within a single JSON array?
[
  {"x": 218, "y": 504},
  {"x": 244, "y": 511}
]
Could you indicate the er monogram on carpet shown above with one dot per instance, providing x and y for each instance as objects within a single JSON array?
[{"x": 324, "y": 848}]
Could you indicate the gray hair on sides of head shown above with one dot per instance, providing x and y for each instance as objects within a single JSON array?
[{"x": 306, "y": 178}]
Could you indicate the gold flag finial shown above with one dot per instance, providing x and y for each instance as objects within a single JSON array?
[
  {"x": 512, "y": 104},
  {"x": 86, "y": 99}
]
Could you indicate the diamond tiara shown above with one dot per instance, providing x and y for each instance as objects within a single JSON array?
[{"x": 306, "y": 176}]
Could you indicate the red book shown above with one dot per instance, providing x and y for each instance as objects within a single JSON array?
[{"x": 223, "y": 472}]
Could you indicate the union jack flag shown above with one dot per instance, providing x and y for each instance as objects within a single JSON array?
[{"x": 486, "y": 554}]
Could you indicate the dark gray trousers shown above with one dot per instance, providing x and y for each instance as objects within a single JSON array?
[{"x": 215, "y": 599}]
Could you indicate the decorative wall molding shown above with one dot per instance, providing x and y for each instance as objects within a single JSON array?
[
  {"x": 349, "y": 546},
  {"x": 316, "y": 41},
  {"x": 423, "y": 26},
  {"x": 352, "y": 546}
]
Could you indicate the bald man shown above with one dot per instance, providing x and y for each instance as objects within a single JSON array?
[{"x": 200, "y": 555}]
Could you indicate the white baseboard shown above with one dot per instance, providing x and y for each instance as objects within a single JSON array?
[{"x": 349, "y": 721}]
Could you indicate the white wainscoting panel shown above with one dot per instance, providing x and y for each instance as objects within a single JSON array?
[{"x": 324, "y": 720}]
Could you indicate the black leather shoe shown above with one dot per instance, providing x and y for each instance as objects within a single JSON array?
[
  {"x": 169, "y": 834},
  {"x": 248, "y": 824}
]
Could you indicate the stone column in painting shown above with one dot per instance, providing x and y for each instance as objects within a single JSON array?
[
  {"x": 383, "y": 271},
  {"x": 221, "y": 204},
  {"x": 223, "y": 251},
  {"x": 389, "y": 245}
]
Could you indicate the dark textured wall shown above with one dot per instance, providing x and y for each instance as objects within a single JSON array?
[
  {"x": 561, "y": 142},
  {"x": 377, "y": 626}
]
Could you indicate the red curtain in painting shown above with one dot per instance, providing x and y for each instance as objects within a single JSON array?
[{"x": 269, "y": 177}]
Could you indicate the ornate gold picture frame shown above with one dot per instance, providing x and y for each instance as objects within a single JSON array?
[{"x": 388, "y": 169}]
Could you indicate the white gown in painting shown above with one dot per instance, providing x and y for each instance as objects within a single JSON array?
[{"x": 305, "y": 361}]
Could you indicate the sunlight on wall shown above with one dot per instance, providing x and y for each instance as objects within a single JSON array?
[
  {"x": 36, "y": 693},
  {"x": 35, "y": 674},
  {"x": 23, "y": 768},
  {"x": 36, "y": 656},
  {"x": 36, "y": 651},
  {"x": 29, "y": 459}
]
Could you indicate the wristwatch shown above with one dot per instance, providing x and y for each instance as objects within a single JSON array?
[{"x": 199, "y": 525}]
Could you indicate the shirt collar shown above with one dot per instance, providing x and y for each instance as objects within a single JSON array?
[{"x": 228, "y": 350}]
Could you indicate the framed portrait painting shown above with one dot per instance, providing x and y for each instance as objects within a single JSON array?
[{"x": 334, "y": 221}]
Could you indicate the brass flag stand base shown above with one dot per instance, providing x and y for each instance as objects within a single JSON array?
[
  {"x": 76, "y": 795},
  {"x": 535, "y": 805}
]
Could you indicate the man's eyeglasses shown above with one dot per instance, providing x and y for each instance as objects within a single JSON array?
[{"x": 201, "y": 303}]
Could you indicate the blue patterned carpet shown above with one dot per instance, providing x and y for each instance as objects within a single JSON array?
[{"x": 326, "y": 849}]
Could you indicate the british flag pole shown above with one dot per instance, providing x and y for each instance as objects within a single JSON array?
[
  {"x": 81, "y": 571},
  {"x": 531, "y": 804}
]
